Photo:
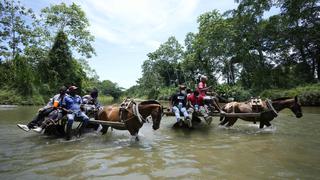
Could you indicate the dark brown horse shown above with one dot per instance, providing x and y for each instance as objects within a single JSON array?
[
  {"x": 267, "y": 113},
  {"x": 132, "y": 114}
]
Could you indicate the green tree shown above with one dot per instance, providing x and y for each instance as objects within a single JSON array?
[
  {"x": 60, "y": 68},
  {"x": 23, "y": 76},
  {"x": 15, "y": 33},
  {"x": 72, "y": 21},
  {"x": 110, "y": 88}
]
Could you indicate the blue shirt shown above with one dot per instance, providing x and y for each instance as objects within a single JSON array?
[{"x": 73, "y": 102}]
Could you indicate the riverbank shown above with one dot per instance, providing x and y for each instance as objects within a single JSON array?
[
  {"x": 309, "y": 95},
  {"x": 13, "y": 98}
]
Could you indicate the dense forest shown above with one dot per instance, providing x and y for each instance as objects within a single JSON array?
[
  {"x": 37, "y": 53},
  {"x": 244, "y": 53}
]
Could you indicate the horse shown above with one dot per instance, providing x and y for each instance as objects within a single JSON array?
[
  {"x": 268, "y": 113},
  {"x": 132, "y": 114}
]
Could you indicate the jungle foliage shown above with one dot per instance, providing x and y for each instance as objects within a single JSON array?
[
  {"x": 244, "y": 51},
  {"x": 36, "y": 53}
]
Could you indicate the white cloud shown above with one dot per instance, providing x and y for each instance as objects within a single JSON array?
[{"x": 143, "y": 22}]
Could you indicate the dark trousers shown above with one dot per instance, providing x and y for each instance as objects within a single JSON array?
[{"x": 39, "y": 118}]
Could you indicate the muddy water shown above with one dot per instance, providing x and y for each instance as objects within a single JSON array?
[{"x": 288, "y": 150}]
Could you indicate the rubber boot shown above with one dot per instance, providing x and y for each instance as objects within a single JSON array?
[{"x": 68, "y": 132}]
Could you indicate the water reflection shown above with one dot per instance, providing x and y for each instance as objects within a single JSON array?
[{"x": 289, "y": 149}]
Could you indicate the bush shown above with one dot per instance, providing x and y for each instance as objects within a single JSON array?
[
  {"x": 309, "y": 95},
  {"x": 237, "y": 92},
  {"x": 104, "y": 100},
  {"x": 8, "y": 96},
  {"x": 166, "y": 92}
]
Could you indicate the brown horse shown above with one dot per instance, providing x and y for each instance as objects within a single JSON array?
[
  {"x": 267, "y": 113},
  {"x": 133, "y": 115}
]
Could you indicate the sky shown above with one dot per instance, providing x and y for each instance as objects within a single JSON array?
[{"x": 127, "y": 30}]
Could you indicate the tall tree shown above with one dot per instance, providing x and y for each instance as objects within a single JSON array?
[
  {"x": 72, "y": 21},
  {"x": 60, "y": 68},
  {"x": 15, "y": 33}
]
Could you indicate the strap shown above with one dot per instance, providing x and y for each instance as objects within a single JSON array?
[
  {"x": 137, "y": 113},
  {"x": 269, "y": 104}
]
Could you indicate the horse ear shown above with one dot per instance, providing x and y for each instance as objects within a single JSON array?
[{"x": 296, "y": 98}]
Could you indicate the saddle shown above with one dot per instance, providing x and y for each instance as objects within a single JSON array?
[{"x": 256, "y": 104}]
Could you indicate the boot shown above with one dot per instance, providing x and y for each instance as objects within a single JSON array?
[{"x": 68, "y": 132}]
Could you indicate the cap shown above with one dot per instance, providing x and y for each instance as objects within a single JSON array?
[
  {"x": 72, "y": 88},
  {"x": 182, "y": 87}
]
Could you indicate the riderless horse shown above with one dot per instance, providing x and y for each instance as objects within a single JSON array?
[
  {"x": 131, "y": 116},
  {"x": 268, "y": 113}
]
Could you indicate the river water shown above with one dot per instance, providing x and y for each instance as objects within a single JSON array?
[{"x": 288, "y": 150}]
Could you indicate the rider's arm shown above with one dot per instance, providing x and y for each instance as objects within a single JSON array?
[{"x": 189, "y": 103}]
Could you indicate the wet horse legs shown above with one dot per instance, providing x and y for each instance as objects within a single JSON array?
[{"x": 104, "y": 129}]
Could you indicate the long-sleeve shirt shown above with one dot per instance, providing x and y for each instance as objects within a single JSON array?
[{"x": 73, "y": 103}]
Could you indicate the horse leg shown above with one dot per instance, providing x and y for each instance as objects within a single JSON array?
[
  {"x": 231, "y": 122},
  {"x": 104, "y": 129},
  {"x": 267, "y": 123},
  {"x": 261, "y": 124},
  {"x": 136, "y": 136},
  {"x": 224, "y": 121}
]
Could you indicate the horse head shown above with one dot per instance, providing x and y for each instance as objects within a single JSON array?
[
  {"x": 291, "y": 103},
  {"x": 154, "y": 109},
  {"x": 296, "y": 107}
]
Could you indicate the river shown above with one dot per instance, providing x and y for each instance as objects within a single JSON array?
[{"x": 288, "y": 150}]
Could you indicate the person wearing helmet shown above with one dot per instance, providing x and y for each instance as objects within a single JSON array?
[
  {"x": 53, "y": 104},
  {"x": 178, "y": 103},
  {"x": 73, "y": 102}
]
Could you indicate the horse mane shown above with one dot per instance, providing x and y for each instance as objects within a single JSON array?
[
  {"x": 149, "y": 102},
  {"x": 282, "y": 98}
]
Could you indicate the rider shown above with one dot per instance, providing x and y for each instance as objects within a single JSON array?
[
  {"x": 92, "y": 99},
  {"x": 202, "y": 89},
  {"x": 178, "y": 103},
  {"x": 195, "y": 103},
  {"x": 73, "y": 102},
  {"x": 54, "y": 103}
]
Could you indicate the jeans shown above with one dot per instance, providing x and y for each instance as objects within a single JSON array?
[
  {"x": 177, "y": 111},
  {"x": 80, "y": 115},
  {"x": 202, "y": 111},
  {"x": 39, "y": 118}
]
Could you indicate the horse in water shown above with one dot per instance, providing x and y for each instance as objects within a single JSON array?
[
  {"x": 132, "y": 115},
  {"x": 268, "y": 113}
]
